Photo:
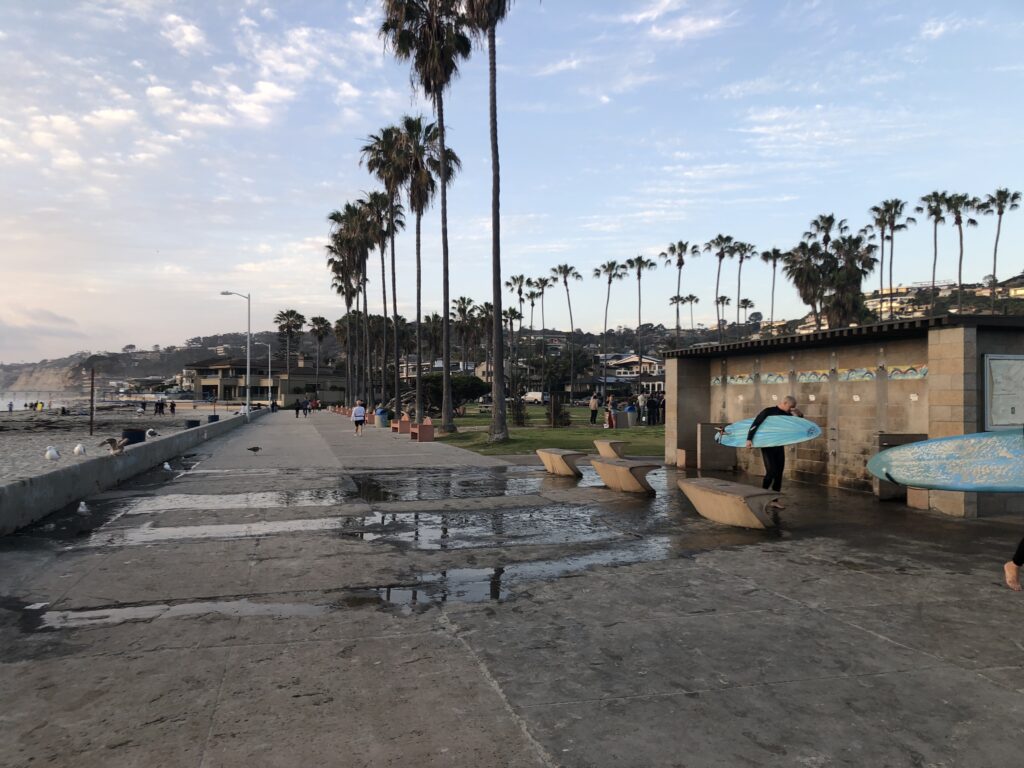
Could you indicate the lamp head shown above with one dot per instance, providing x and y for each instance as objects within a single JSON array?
[{"x": 225, "y": 293}]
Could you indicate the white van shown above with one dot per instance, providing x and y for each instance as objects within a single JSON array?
[{"x": 536, "y": 398}]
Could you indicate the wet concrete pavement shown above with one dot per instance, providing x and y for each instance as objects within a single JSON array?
[{"x": 344, "y": 602}]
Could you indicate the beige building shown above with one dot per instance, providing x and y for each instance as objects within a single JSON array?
[{"x": 876, "y": 384}]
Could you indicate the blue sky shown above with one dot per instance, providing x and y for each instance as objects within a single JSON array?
[{"x": 154, "y": 153}]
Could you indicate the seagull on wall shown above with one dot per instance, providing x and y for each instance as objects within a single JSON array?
[
  {"x": 52, "y": 453},
  {"x": 115, "y": 446},
  {"x": 79, "y": 450},
  {"x": 152, "y": 433}
]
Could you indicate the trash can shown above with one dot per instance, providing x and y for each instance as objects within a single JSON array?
[
  {"x": 192, "y": 423},
  {"x": 381, "y": 420},
  {"x": 212, "y": 418},
  {"x": 133, "y": 436},
  {"x": 631, "y": 416}
]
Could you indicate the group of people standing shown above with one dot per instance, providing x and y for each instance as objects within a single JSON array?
[
  {"x": 306, "y": 405},
  {"x": 649, "y": 408}
]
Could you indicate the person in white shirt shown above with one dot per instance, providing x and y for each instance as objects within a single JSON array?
[{"x": 359, "y": 417}]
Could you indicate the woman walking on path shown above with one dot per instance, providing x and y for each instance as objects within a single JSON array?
[
  {"x": 359, "y": 417},
  {"x": 594, "y": 403}
]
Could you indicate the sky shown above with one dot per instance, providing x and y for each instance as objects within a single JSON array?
[{"x": 154, "y": 153}]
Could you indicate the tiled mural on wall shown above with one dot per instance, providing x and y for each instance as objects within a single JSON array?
[{"x": 893, "y": 372}]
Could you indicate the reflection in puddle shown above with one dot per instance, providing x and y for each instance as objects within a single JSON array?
[
  {"x": 149, "y": 534},
  {"x": 108, "y": 616},
  {"x": 317, "y": 497}
]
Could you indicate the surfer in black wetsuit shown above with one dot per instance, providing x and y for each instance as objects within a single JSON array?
[
  {"x": 1012, "y": 569},
  {"x": 775, "y": 456}
]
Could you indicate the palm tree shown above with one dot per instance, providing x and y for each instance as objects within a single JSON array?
[
  {"x": 379, "y": 210},
  {"x": 1000, "y": 202},
  {"x": 743, "y": 251},
  {"x": 691, "y": 300},
  {"x": 431, "y": 34},
  {"x": 934, "y": 206},
  {"x": 897, "y": 222},
  {"x": 289, "y": 324},
  {"x": 853, "y": 259},
  {"x": 320, "y": 327},
  {"x": 639, "y": 264},
  {"x": 803, "y": 266},
  {"x": 746, "y": 305},
  {"x": 722, "y": 247},
  {"x": 565, "y": 273},
  {"x": 880, "y": 223},
  {"x": 383, "y": 155},
  {"x": 823, "y": 227},
  {"x": 612, "y": 271},
  {"x": 960, "y": 206},
  {"x": 541, "y": 284},
  {"x": 348, "y": 252},
  {"x": 484, "y": 17},
  {"x": 773, "y": 257},
  {"x": 515, "y": 284},
  {"x": 723, "y": 302},
  {"x": 462, "y": 314},
  {"x": 675, "y": 255}
]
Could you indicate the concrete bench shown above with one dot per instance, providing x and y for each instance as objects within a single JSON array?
[
  {"x": 401, "y": 426},
  {"x": 625, "y": 475},
  {"x": 610, "y": 449},
  {"x": 422, "y": 432},
  {"x": 561, "y": 461},
  {"x": 729, "y": 503}
]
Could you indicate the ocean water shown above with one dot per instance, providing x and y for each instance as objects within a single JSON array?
[{"x": 50, "y": 399}]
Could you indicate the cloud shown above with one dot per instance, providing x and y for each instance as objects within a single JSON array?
[
  {"x": 257, "y": 105},
  {"x": 690, "y": 27},
  {"x": 933, "y": 29},
  {"x": 110, "y": 118},
  {"x": 565, "y": 65},
  {"x": 185, "y": 37},
  {"x": 652, "y": 12}
]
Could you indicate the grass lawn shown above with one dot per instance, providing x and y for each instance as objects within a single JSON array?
[{"x": 642, "y": 441}]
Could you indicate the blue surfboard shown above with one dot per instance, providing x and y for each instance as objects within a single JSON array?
[
  {"x": 774, "y": 431},
  {"x": 985, "y": 461}
]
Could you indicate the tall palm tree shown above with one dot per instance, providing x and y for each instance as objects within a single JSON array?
[
  {"x": 746, "y": 305},
  {"x": 541, "y": 284},
  {"x": 383, "y": 156},
  {"x": 722, "y": 247},
  {"x": 611, "y": 271},
  {"x": 565, "y": 273},
  {"x": 853, "y": 260},
  {"x": 378, "y": 210},
  {"x": 1000, "y": 202},
  {"x": 348, "y": 252},
  {"x": 675, "y": 255},
  {"x": 934, "y": 206},
  {"x": 880, "y": 224},
  {"x": 744, "y": 251},
  {"x": 896, "y": 221},
  {"x": 824, "y": 227},
  {"x": 484, "y": 17},
  {"x": 320, "y": 328},
  {"x": 959, "y": 206},
  {"x": 432, "y": 35},
  {"x": 723, "y": 302},
  {"x": 803, "y": 266},
  {"x": 462, "y": 315},
  {"x": 773, "y": 257},
  {"x": 639, "y": 264},
  {"x": 515, "y": 284},
  {"x": 289, "y": 324}
]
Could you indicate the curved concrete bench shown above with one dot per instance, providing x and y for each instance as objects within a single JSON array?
[
  {"x": 729, "y": 503},
  {"x": 625, "y": 475},
  {"x": 561, "y": 461},
  {"x": 610, "y": 449}
]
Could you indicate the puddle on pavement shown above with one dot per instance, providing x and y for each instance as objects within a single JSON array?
[
  {"x": 150, "y": 534},
  {"x": 313, "y": 497},
  {"x": 436, "y": 485},
  {"x": 107, "y": 616}
]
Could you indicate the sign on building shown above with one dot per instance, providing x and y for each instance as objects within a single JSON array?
[{"x": 1004, "y": 391}]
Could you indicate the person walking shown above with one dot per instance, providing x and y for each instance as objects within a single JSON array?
[
  {"x": 359, "y": 417},
  {"x": 774, "y": 456},
  {"x": 10, "y": 407},
  {"x": 653, "y": 406},
  {"x": 1011, "y": 570},
  {"x": 298, "y": 407},
  {"x": 305, "y": 409},
  {"x": 173, "y": 407},
  {"x": 594, "y": 403}
]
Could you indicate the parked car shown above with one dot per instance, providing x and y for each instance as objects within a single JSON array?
[{"x": 536, "y": 398}]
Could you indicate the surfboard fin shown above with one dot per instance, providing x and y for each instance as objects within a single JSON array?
[{"x": 891, "y": 480}]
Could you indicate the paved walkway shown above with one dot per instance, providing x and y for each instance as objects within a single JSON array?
[{"x": 359, "y": 602}]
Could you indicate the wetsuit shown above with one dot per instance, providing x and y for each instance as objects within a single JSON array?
[
  {"x": 775, "y": 456},
  {"x": 1018, "y": 558}
]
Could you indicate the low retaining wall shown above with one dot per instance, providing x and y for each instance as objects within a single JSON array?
[{"x": 25, "y": 501}]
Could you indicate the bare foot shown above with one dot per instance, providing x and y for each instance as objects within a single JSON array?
[
  {"x": 776, "y": 504},
  {"x": 1011, "y": 573}
]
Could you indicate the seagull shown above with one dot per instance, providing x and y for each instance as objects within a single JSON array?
[
  {"x": 79, "y": 450},
  {"x": 83, "y": 509},
  {"x": 140, "y": 411},
  {"x": 255, "y": 449},
  {"x": 152, "y": 433},
  {"x": 115, "y": 446},
  {"x": 52, "y": 453},
  {"x": 167, "y": 467}
]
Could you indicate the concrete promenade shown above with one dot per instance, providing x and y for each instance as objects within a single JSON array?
[{"x": 334, "y": 601}]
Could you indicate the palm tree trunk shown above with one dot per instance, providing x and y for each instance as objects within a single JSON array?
[
  {"x": 881, "y": 278},
  {"x": 959, "y": 273},
  {"x": 604, "y": 343},
  {"x": 316, "y": 370},
  {"x": 499, "y": 414},
  {"x": 892, "y": 253},
  {"x": 774, "y": 268},
  {"x": 348, "y": 355},
  {"x": 447, "y": 409},
  {"x": 693, "y": 328},
  {"x": 679, "y": 282},
  {"x": 384, "y": 326},
  {"x": 544, "y": 343},
  {"x": 718, "y": 307},
  {"x": 394, "y": 314},
  {"x": 739, "y": 300},
  {"x": 935, "y": 261},
  {"x": 367, "y": 370},
  {"x": 419, "y": 325},
  {"x": 995, "y": 254},
  {"x": 572, "y": 358},
  {"x": 639, "y": 323}
]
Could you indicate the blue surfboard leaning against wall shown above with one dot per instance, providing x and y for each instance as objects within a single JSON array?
[
  {"x": 991, "y": 462},
  {"x": 774, "y": 431}
]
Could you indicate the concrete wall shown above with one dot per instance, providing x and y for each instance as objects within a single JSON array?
[{"x": 25, "y": 501}]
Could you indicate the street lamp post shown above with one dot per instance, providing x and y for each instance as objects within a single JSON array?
[
  {"x": 270, "y": 375},
  {"x": 248, "y": 347}
]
